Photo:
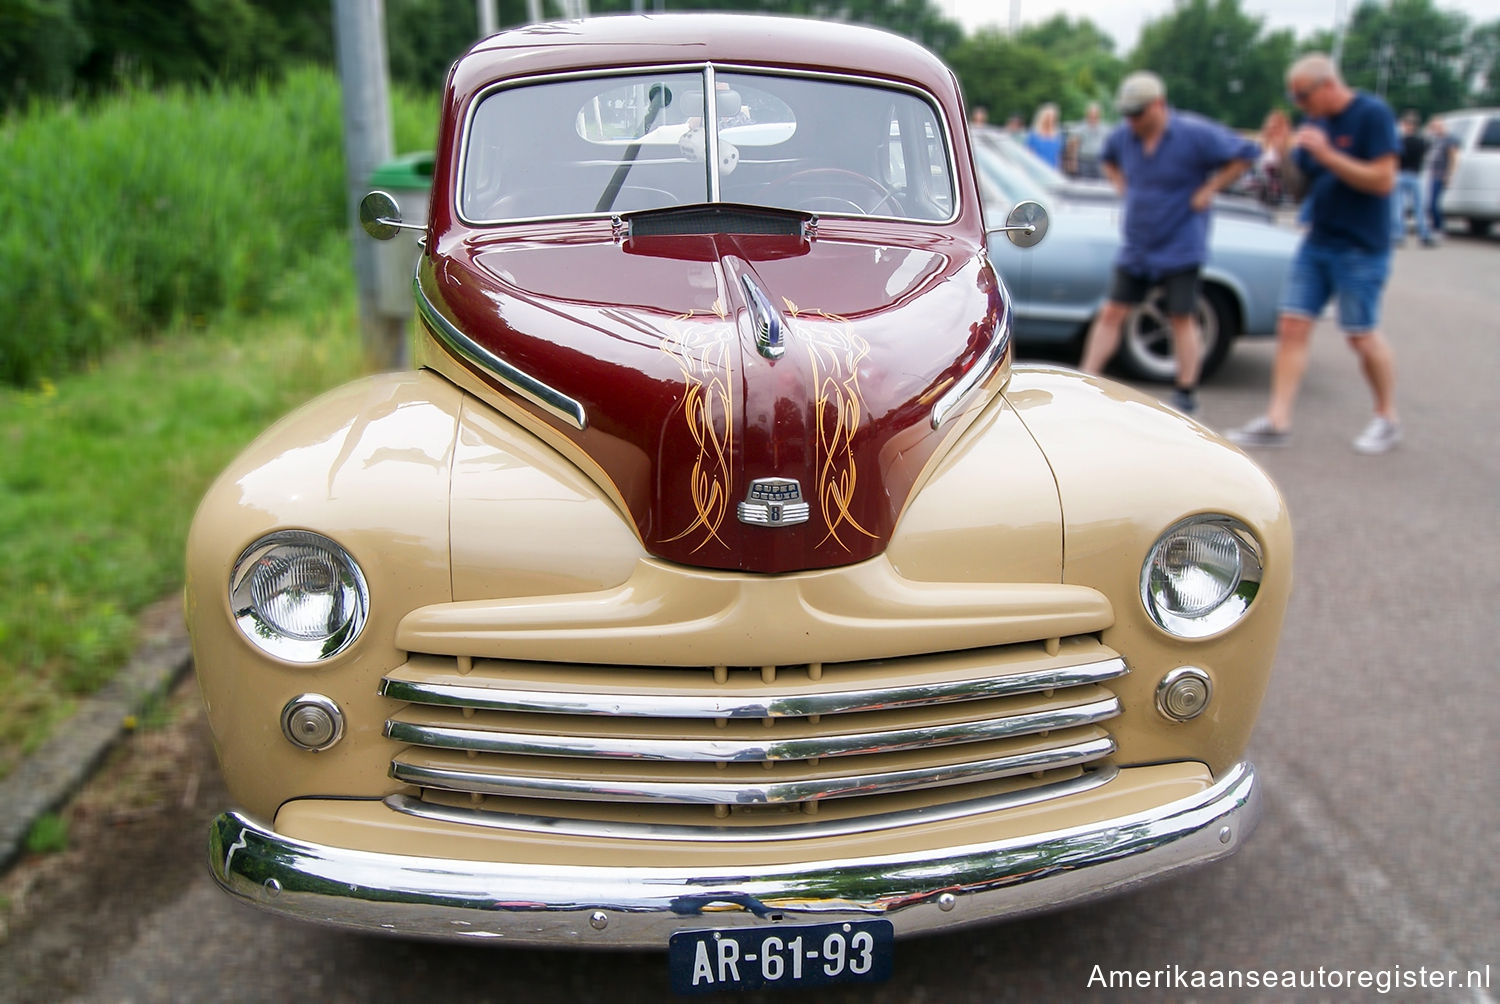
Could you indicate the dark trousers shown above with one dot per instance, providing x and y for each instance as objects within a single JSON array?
[{"x": 1435, "y": 204}]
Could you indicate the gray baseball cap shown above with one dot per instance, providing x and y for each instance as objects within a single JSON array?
[{"x": 1137, "y": 91}]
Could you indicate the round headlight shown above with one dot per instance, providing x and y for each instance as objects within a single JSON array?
[
  {"x": 298, "y": 596},
  {"x": 1201, "y": 576}
]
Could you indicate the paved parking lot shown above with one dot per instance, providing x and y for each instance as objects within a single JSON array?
[{"x": 1378, "y": 744}]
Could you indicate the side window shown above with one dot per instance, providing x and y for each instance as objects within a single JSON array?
[
  {"x": 937, "y": 159},
  {"x": 919, "y": 158},
  {"x": 1490, "y": 138},
  {"x": 1461, "y": 129},
  {"x": 896, "y": 158}
]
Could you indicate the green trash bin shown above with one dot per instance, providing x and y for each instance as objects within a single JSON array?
[{"x": 407, "y": 179}]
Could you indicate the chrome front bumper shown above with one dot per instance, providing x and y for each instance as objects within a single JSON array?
[{"x": 622, "y": 907}]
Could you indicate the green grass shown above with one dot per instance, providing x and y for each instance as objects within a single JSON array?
[
  {"x": 175, "y": 274},
  {"x": 101, "y": 471},
  {"x": 158, "y": 208},
  {"x": 48, "y": 835}
]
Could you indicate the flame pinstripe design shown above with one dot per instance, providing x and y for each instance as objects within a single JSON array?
[
  {"x": 835, "y": 351},
  {"x": 706, "y": 359}
]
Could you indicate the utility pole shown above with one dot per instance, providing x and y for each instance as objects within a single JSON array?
[
  {"x": 1340, "y": 28},
  {"x": 359, "y": 43}
]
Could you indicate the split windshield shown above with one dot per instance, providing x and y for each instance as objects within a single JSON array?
[{"x": 625, "y": 143}]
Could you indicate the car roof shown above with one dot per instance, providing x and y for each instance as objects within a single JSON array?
[{"x": 692, "y": 38}]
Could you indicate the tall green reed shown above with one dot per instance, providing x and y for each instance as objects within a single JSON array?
[{"x": 157, "y": 208}]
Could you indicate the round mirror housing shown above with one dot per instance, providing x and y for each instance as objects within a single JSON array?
[
  {"x": 1026, "y": 225},
  {"x": 380, "y": 216}
]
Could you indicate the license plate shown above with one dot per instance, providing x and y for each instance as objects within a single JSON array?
[{"x": 857, "y": 951}]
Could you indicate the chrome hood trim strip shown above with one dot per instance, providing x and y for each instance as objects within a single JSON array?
[
  {"x": 601, "y": 906},
  {"x": 554, "y": 402},
  {"x": 994, "y": 355}
]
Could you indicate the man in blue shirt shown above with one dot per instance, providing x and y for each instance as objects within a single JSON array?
[
  {"x": 1346, "y": 156},
  {"x": 1168, "y": 165}
]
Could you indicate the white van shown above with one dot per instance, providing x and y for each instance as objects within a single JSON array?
[{"x": 1474, "y": 191}]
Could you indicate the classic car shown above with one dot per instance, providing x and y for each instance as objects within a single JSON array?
[
  {"x": 1059, "y": 286},
  {"x": 1057, "y": 184},
  {"x": 716, "y": 583}
]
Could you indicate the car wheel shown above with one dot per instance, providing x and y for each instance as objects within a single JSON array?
[
  {"x": 1146, "y": 342},
  {"x": 1479, "y": 228}
]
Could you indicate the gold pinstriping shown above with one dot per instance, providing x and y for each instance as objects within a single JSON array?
[
  {"x": 706, "y": 359},
  {"x": 836, "y": 352}
]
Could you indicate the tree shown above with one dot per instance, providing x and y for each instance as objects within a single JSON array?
[
  {"x": 1482, "y": 64},
  {"x": 1087, "y": 56},
  {"x": 1409, "y": 53},
  {"x": 41, "y": 43},
  {"x": 424, "y": 37},
  {"x": 79, "y": 48},
  {"x": 1216, "y": 61},
  {"x": 920, "y": 20},
  {"x": 1005, "y": 75}
]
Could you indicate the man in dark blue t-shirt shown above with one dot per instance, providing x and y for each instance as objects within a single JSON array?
[
  {"x": 1345, "y": 156},
  {"x": 1168, "y": 165}
]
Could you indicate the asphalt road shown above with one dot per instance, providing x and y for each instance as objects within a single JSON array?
[{"x": 1377, "y": 744}]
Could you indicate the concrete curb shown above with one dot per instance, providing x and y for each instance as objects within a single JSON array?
[{"x": 45, "y": 779}]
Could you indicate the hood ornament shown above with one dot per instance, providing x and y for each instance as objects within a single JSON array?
[
  {"x": 774, "y": 502},
  {"x": 765, "y": 320}
]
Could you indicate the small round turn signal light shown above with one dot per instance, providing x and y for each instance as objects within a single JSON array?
[
  {"x": 312, "y": 722},
  {"x": 1184, "y": 693}
]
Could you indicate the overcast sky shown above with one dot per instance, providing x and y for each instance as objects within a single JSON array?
[{"x": 1123, "y": 20}]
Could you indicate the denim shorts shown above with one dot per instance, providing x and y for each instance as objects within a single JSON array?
[{"x": 1356, "y": 275}]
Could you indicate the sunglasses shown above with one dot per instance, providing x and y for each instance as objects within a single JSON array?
[{"x": 1300, "y": 95}]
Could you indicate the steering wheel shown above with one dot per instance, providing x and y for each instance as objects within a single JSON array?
[
  {"x": 650, "y": 198},
  {"x": 840, "y": 177}
]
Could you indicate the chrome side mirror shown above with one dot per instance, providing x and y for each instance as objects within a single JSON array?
[
  {"x": 381, "y": 217},
  {"x": 1025, "y": 226}
]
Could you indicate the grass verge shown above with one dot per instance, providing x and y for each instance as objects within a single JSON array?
[
  {"x": 168, "y": 207},
  {"x": 101, "y": 471}
]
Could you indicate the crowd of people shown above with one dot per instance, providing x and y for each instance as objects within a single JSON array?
[
  {"x": 1427, "y": 159},
  {"x": 1075, "y": 151},
  {"x": 1357, "y": 178}
]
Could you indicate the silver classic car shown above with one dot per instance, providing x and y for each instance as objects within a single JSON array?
[{"x": 1060, "y": 285}]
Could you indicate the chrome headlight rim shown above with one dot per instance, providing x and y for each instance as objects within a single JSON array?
[
  {"x": 294, "y": 647},
  {"x": 1235, "y": 602}
]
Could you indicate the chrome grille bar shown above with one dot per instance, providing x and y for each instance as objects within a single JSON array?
[
  {"x": 750, "y": 750},
  {"x": 804, "y": 828},
  {"x": 461, "y": 776},
  {"x": 482, "y": 695}
]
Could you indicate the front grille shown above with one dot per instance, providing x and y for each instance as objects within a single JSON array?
[{"x": 683, "y": 745}]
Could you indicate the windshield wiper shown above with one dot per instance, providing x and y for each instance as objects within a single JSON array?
[{"x": 660, "y": 98}]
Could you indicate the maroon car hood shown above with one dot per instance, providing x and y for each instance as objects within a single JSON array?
[{"x": 655, "y": 339}]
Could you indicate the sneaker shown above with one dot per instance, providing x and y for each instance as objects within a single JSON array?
[
  {"x": 1259, "y": 433},
  {"x": 1379, "y": 436},
  {"x": 1185, "y": 401}
]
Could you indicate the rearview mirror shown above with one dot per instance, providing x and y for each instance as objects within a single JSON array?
[
  {"x": 381, "y": 217},
  {"x": 1026, "y": 225}
]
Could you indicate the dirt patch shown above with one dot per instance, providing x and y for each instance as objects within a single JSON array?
[{"x": 147, "y": 809}]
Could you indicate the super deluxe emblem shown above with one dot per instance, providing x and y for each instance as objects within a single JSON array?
[{"x": 773, "y": 502}]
